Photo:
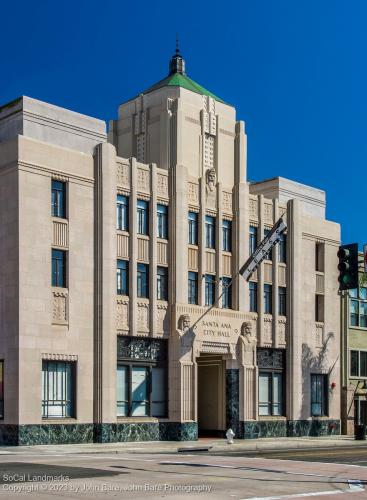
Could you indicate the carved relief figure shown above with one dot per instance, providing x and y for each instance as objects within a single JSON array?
[
  {"x": 184, "y": 323},
  {"x": 211, "y": 179},
  {"x": 247, "y": 343}
]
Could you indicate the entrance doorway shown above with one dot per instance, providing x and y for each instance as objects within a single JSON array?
[{"x": 211, "y": 395}]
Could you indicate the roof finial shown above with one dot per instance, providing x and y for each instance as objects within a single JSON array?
[{"x": 177, "y": 62}]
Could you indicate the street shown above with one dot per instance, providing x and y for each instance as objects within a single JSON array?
[{"x": 272, "y": 475}]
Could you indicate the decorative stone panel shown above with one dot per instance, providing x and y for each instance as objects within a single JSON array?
[
  {"x": 268, "y": 338},
  {"x": 268, "y": 272},
  {"x": 193, "y": 257},
  {"x": 282, "y": 332},
  {"x": 193, "y": 193},
  {"x": 226, "y": 264},
  {"x": 268, "y": 213},
  {"x": 143, "y": 180},
  {"x": 320, "y": 279},
  {"x": 162, "y": 252},
  {"x": 162, "y": 324},
  {"x": 319, "y": 335},
  {"x": 143, "y": 249},
  {"x": 210, "y": 262},
  {"x": 227, "y": 202},
  {"x": 123, "y": 175},
  {"x": 187, "y": 392},
  {"x": 282, "y": 275},
  {"x": 122, "y": 246},
  {"x": 162, "y": 185},
  {"x": 59, "y": 357},
  {"x": 143, "y": 317},
  {"x": 122, "y": 314},
  {"x": 60, "y": 309},
  {"x": 60, "y": 233},
  {"x": 254, "y": 208}
]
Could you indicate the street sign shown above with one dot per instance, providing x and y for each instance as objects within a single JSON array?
[
  {"x": 365, "y": 257},
  {"x": 270, "y": 240}
]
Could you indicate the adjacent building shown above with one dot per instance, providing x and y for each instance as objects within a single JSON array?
[
  {"x": 113, "y": 249},
  {"x": 354, "y": 354}
]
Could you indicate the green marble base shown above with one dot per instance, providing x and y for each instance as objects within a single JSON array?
[
  {"x": 289, "y": 428},
  {"x": 19, "y": 435}
]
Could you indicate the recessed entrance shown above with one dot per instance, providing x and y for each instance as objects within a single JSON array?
[{"x": 211, "y": 395}]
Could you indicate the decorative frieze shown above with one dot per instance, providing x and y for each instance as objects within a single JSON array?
[
  {"x": 141, "y": 349},
  {"x": 319, "y": 335},
  {"x": 193, "y": 259},
  {"x": 122, "y": 314},
  {"x": 268, "y": 213},
  {"x": 267, "y": 338},
  {"x": 59, "y": 357},
  {"x": 143, "y": 180},
  {"x": 123, "y": 175},
  {"x": 210, "y": 262},
  {"x": 162, "y": 253},
  {"x": 282, "y": 332},
  {"x": 60, "y": 314},
  {"x": 271, "y": 358},
  {"x": 60, "y": 233},
  {"x": 226, "y": 264},
  {"x": 143, "y": 249}
]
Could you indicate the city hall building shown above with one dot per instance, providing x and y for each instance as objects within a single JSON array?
[{"x": 113, "y": 248}]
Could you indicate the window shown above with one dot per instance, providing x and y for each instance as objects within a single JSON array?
[
  {"x": 193, "y": 288},
  {"x": 253, "y": 296},
  {"x": 282, "y": 249},
  {"x": 319, "y": 257},
  {"x": 162, "y": 221},
  {"x": 143, "y": 280},
  {"x": 282, "y": 301},
  {"x": 58, "y": 199},
  {"x": 227, "y": 293},
  {"x": 143, "y": 217},
  {"x": 358, "y": 363},
  {"x": 58, "y": 389},
  {"x": 268, "y": 306},
  {"x": 319, "y": 308},
  {"x": 141, "y": 388},
  {"x": 210, "y": 231},
  {"x": 358, "y": 307},
  {"x": 123, "y": 277},
  {"x": 271, "y": 382},
  {"x": 162, "y": 283},
  {"x": 319, "y": 395},
  {"x": 269, "y": 255},
  {"x": 1, "y": 389},
  {"x": 193, "y": 228},
  {"x": 270, "y": 393},
  {"x": 253, "y": 239},
  {"x": 227, "y": 235},
  {"x": 209, "y": 289},
  {"x": 58, "y": 268},
  {"x": 122, "y": 212}
]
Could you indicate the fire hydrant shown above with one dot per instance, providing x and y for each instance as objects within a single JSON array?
[{"x": 230, "y": 435}]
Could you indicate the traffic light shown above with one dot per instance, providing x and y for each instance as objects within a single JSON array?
[{"x": 348, "y": 266}]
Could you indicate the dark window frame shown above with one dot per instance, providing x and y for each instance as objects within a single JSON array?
[
  {"x": 227, "y": 235},
  {"x": 271, "y": 374},
  {"x": 142, "y": 217},
  {"x": 268, "y": 304},
  {"x": 59, "y": 277},
  {"x": 193, "y": 226},
  {"x": 210, "y": 232},
  {"x": 210, "y": 289},
  {"x": 282, "y": 301},
  {"x": 360, "y": 364},
  {"x": 253, "y": 305},
  {"x": 253, "y": 234},
  {"x": 122, "y": 212},
  {"x": 193, "y": 286},
  {"x": 58, "y": 199},
  {"x": 142, "y": 286},
  {"x": 282, "y": 249},
  {"x": 227, "y": 293},
  {"x": 122, "y": 271},
  {"x": 162, "y": 283},
  {"x": 162, "y": 221},
  {"x": 324, "y": 395}
]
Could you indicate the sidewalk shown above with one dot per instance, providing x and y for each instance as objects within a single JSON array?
[{"x": 215, "y": 445}]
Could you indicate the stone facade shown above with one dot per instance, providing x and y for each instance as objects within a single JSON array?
[{"x": 182, "y": 148}]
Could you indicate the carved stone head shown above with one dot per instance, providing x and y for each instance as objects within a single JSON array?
[
  {"x": 246, "y": 329},
  {"x": 211, "y": 178},
  {"x": 184, "y": 322}
]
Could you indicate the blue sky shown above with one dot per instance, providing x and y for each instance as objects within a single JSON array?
[{"x": 295, "y": 70}]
